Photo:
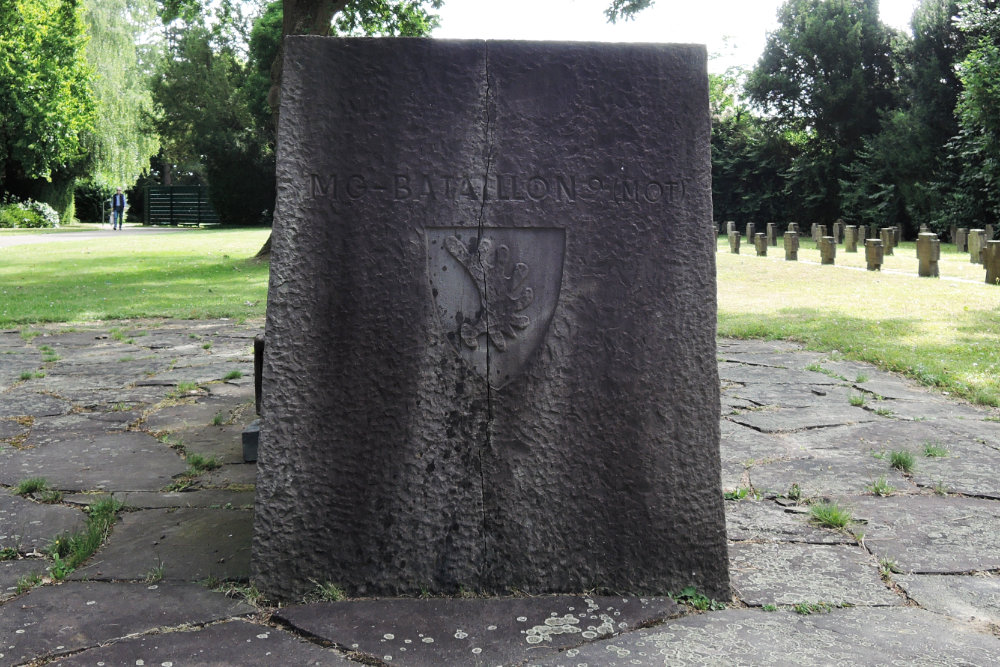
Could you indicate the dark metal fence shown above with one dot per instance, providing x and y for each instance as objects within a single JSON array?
[{"x": 179, "y": 205}]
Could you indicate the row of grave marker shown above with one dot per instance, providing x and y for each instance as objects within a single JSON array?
[{"x": 981, "y": 250}]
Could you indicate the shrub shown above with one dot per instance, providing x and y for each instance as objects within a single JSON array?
[{"x": 27, "y": 214}]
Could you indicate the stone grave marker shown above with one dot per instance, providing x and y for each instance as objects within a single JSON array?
[
  {"x": 730, "y": 228},
  {"x": 827, "y": 249},
  {"x": 897, "y": 235},
  {"x": 838, "y": 231},
  {"x": 977, "y": 241},
  {"x": 751, "y": 230},
  {"x": 772, "y": 234},
  {"x": 793, "y": 227},
  {"x": 928, "y": 254},
  {"x": 850, "y": 238},
  {"x": 991, "y": 260},
  {"x": 952, "y": 232},
  {"x": 791, "y": 242},
  {"x": 873, "y": 254},
  {"x": 887, "y": 236},
  {"x": 962, "y": 239},
  {"x": 444, "y": 403},
  {"x": 734, "y": 243},
  {"x": 760, "y": 244},
  {"x": 989, "y": 232},
  {"x": 924, "y": 229}
]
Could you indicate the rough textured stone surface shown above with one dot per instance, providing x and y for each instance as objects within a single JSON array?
[
  {"x": 928, "y": 254},
  {"x": 791, "y": 243},
  {"x": 189, "y": 544},
  {"x": 766, "y": 521},
  {"x": 927, "y": 534},
  {"x": 474, "y": 632},
  {"x": 874, "y": 252},
  {"x": 12, "y": 571},
  {"x": 751, "y": 637},
  {"x": 233, "y": 643},
  {"x": 787, "y": 574},
  {"x": 29, "y": 526},
  {"x": 555, "y": 440},
  {"x": 974, "y": 598},
  {"x": 977, "y": 243},
  {"x": 37, "y": 625}
]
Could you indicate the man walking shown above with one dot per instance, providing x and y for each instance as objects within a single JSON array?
[{"x": 117, "y": 209}]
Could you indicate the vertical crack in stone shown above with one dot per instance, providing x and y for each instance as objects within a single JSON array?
[{"x": 487, "y": 443}]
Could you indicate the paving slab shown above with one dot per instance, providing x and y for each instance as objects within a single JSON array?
[
  {"x": 785, "y": 397},
  {"x": 189, "y": 414},
  {"x": 786, "y": 574},
  {"x": 230, "y": 643},
  {"x": 113, "y": 462},
  {"x": 766, "y": 521},
  {"x": 969, "y": 469},
  {"x": 744, "y": 444},
  {"x": 189, "y": 544},
  {"x": 933, "y": 534},
  {"x": 826, "y": 474},
  {"x": 489, "y": 631},
  {"x": 225, "y": 443},
  {"x": 963, "y": 597},
  {"x": 29, "y": 526},
  {"x": 238, "y": 475},
  {"x": 747, "y": 374},
  {"x": 56, "y": 620},
  {"x": 798, "y": 419},
  {"x": 12, "y": 571},
  {"x": 927, "y": 410},
  {"x": 23, "y": 402},
  {"x": 11, "y": 429},
  {"x": 210, "y": 498},
  {"x": 860, "y": 636}
]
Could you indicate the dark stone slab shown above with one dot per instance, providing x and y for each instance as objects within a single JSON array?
[
  {"x": 488, "y": 631},
  {"x": 784, "y": 420},
  {"x": 111, "y": 462},
  {"x": 963, "y": 597},
  {"x": 205, "y": 498},
  {"x": 12, "y": 571},
  {"x": 964, "y": 470},
  {"x": 10, "y": 429},
  {"x": 22, "y": 401},
  {"x": 222, "y": 442},
  {"x": 933, "y": 534},
  {"x": 29, "y": 526},
  {"x": 747, "y": 374},
  {"x": 190, "y": 544},
  {"x": 826, "y": 474},
  {"x": 239, "y": 475},
  {"x": 766, "y": 521},
  {"x": 57, "y": 620},
  {"x": 860, "y": 636},
  {"x": 404, "y": 447},
  {"x": 233, "y": 643},
  {"x": 746, "y": 445},
  {"x": 787, "y": 574}
]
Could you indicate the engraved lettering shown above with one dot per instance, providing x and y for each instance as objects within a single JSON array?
[
  {"x": 356, "y": 187},
  {"x": 562, "y": 189},
  {"x": 318, "y": 189},
  {"x": 654, "y": 192},
  {"x": 402, "y": 182},
  {"x": 427, "y": 189},
  {"x": 538, "y": 188},
  {"x": 467, "y": 190}
]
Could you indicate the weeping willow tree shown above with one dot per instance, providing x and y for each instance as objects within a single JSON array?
[{"x": 121, "y": 145}]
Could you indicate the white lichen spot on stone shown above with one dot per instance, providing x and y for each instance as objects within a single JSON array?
[
  {"x": 90, "y": 602},
  {"x": 152, "y": 588},
  {"x": 572, "y": 653},
  {"x": 19, "y": 632},
  {"x": 140, "y": 662},
  {"x": 491, "y": 627},
  {"x": 461, "y": 634},
  {"x": 407, "y": 641},
  {"x": 428, "y": 640},
  {"x": 263, "y": 635},
  {"x": 477, "y": 650},
  {"x": 522, "y": 619},
  {"x": 588, "y": 634},
  {"x": 387, "y": 658},
  {"x": 388, "y": 636},
  {"x": 554, "y": 625},
  {"x": 167, "y": 664}
]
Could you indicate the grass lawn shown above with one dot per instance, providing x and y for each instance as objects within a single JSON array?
[
  {"x": 196, "y": 273},
  {"x": 945, "y": 333}
]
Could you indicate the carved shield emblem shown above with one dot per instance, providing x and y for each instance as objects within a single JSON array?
[{"x": 495, "y": 290}]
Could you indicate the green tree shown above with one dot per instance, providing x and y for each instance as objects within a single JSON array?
[
  {"x": 120, "y": 145},
  {"x": 47, "y": 107},
  {"x": 827, "y": 73}
]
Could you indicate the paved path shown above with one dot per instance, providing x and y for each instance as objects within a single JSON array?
[
  {"x": 11, "y": 240},
  {"x": 108, "y": 408}
]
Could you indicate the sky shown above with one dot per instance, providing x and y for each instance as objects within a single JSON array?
[{"x": 733, "y": 30}]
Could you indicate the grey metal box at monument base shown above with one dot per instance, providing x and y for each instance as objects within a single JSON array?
[{"x": 490, "y": 357}]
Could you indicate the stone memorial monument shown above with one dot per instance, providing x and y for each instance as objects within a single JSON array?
[
  {"x": 490, "y": 357},
  {"x": 887, "y": 236},
  {"x": 751, "y": 230},
  {"x": 791, "y": 241},
  {"x": 772, "y": 234},
  {"x": 793, "y": 227},
  {"x": 827, "y": 249},
  {"x": 962, "y": 239},
  {"x": 734, "y": 243},
  {"x": 976, "y": 241},
  {"x": 989, "y": 232},
  {"x": 897, "y": 235},
  {"x": 838, "y": 231},
  {"x": 850, "y": 238},
  {"x": 873, "y": 254},
  {"x": 730, "y": 228},
  {"x": 760, "y": 244},
  {"x": 991, "y": 260},
  {"x": 928, "y": 254}
]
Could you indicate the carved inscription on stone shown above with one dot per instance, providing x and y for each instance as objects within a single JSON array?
[{"x": 495, "y": 290}]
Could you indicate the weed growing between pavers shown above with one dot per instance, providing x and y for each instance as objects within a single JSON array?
[
  {"x": 690, "y": 597},
  {"x": 881, "y": 487},
  {"x": 902, "y": 461},
  {"x": 856, "y": 400},
  {"x": 934, "y": 450},
  {"x": 816, "y": 368},
  {"x": 328, "y": 592},
  {"x": 30, "y": 485},
  {"x": 806, "y": 608},
  {"x": 246, "y": 592},
  {"x": 830, "y": 515},
  {"x": 233, "y": 375},
  {"x": 68, "y": 552},
  {"x": 861, "y": 378},
  {"x": 741, "y": 493},
  {"x": 770, "y": 607},
  {"x": 883, "y": 412},
  {"x": 886, "y": 568}
]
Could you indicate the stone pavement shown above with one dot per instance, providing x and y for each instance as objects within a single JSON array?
[{"x": 114, "y": 408}]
